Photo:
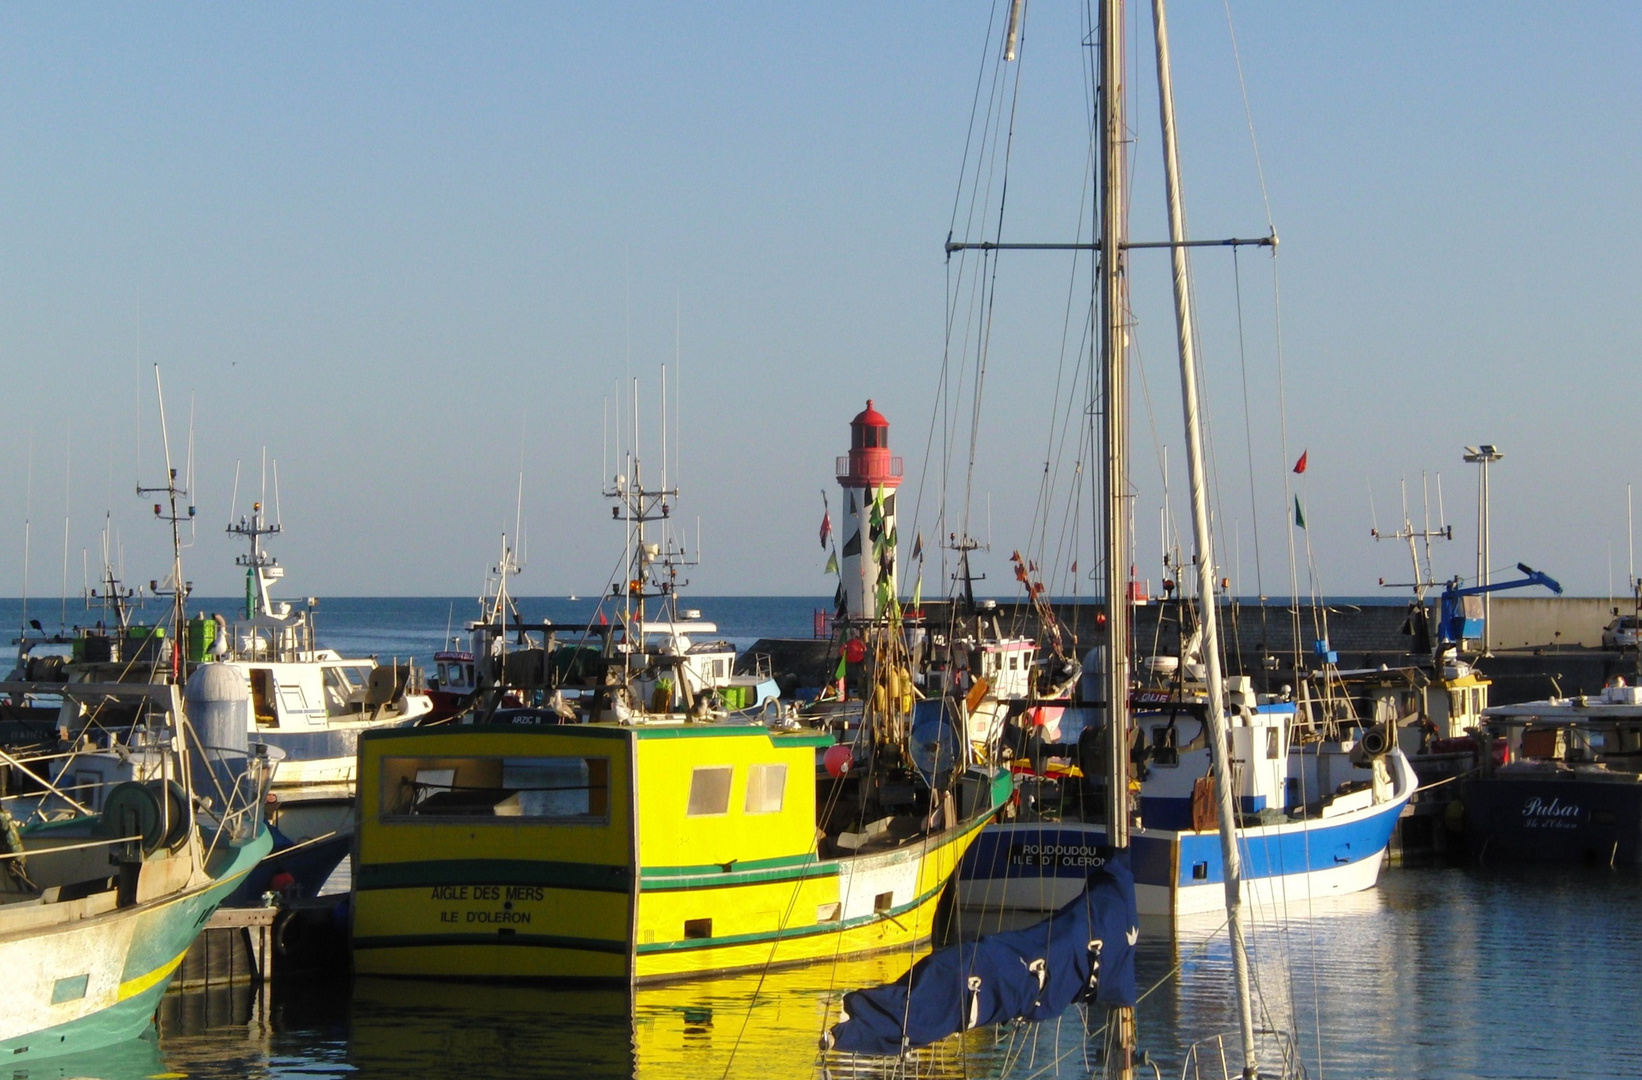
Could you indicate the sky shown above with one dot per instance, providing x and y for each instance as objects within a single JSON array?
[{"x": 415, "y": 252}]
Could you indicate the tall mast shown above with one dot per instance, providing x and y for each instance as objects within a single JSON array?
[
  {"x": 1111, "y": 281},
  {"x": 168, "y": 512},
  {"x": 1208, "y": 604}
]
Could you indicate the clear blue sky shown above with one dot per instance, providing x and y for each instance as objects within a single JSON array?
[{"x": 396, "y": 243}]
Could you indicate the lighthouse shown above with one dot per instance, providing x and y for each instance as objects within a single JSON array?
[{"x": 869, "y": 477}]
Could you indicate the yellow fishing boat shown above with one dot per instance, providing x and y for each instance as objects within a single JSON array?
[{"x": 644, "y": 852}]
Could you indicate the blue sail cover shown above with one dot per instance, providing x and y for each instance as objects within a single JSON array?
[{"x": 1083, "y": 952}]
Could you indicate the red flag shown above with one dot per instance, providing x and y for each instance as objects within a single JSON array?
[
  {"x": 1300, "y": 466},
  {"x": 826, "y": 527}
]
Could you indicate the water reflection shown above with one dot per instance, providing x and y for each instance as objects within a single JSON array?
[
  {"x": 770, "y": 1026},
  {"x": 1441, "y": 973},
  {"x": 405, "y": 1028}
]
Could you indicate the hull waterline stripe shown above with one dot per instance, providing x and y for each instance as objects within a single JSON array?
[{"x": 537, "y": 941}]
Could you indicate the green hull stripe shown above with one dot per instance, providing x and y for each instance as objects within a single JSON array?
[
  {"x": 747, "y": 872},
  {"x": 604, "y": 731},
  {"x": 536, "y": 941},
  {"x": 790, "y": 933},
  {"x": 585, "y": 877},
  {"x": 453, "y": 735},
  {"x": 709, "y": 732}
]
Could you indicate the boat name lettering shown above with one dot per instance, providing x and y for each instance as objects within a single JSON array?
[
  {"x": 1556, "y": 814},
  {"x": 1055, "y": 855},
  {"x": 487, "y": 892},
  {"x": 498, "y": 916}
]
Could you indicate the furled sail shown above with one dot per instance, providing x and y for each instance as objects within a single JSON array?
[{"x": 1083, "y": 952}]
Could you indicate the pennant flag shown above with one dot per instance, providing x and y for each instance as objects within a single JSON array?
[
  {"x": 1074, "y": 567},
  {"x": 918, "y": 548},
  {"x": 1300, "y": 466},
  {"x": 1299, "y": 515},
  {"x": 832, "y": 564},
  {"x": 826, "y": 527},
  {"x": 918, "y": 591}
]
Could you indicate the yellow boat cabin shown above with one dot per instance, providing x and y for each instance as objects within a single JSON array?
[{"x": 642, "y": 853}]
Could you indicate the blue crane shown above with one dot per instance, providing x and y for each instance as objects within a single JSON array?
[{"x": 1456, "y": 624}]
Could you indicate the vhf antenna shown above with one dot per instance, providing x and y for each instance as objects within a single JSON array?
[
  {"x": 168, "y": 511},
  {"x": 1423, "y": 578}
]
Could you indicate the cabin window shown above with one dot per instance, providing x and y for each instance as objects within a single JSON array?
[
  {"x": 1272, "y": 749},
  {"x": 1164, "y": 749},
  {"x": 567, "y": 789},
  {"x": 338, "y": 691},
  {"x": 766, "y": 789},
  {"x": 710, "y": 790}
]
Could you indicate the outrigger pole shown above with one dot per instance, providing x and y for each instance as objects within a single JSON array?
[{"x": 1203, "y": 540}]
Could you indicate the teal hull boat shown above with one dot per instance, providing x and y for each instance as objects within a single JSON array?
[{"x": 88, "y": 947}]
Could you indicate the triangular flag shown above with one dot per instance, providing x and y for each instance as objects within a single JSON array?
[
  {"x": 918, "y": 548},
  {"x": 918, "y": 590},
  {"x": 1299, "y": 515},
  {"x": 1300, "y": 466},
  {"x": 832, "y": 564},
  {"x": 826, "y": 526}
]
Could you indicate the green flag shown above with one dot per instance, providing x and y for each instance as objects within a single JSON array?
[
  {"x": 918, "y": 591},
  {"x": 1299, "y": 516},
  {"x": 832, "y": 564}
]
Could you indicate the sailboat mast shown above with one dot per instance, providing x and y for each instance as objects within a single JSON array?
[
  {"x": 1209, "y": 614},
  {"x": 1111, "y": 282},
  {"x": 1114, "y": 412}
]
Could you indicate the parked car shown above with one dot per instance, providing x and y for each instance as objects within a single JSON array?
[{"x": 1621, "y": 633}]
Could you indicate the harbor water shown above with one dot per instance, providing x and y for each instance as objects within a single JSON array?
[{"x": 1441, "y": 972}]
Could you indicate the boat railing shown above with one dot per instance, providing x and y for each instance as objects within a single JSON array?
[{"x": 1219, "y": 1057}]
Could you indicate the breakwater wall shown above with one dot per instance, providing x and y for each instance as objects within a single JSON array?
[{"x": 1541, "y": 646}]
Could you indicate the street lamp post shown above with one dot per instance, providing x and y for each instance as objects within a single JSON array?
[{"x": 1482, "y": 456}]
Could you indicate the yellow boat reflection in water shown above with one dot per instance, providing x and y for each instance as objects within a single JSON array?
[{"x": 752, "y": 1025}]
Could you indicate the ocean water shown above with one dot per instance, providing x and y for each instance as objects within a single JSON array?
[
  {"x": 418, "y": 626},
  {"x": 1445, "y": 972}
]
